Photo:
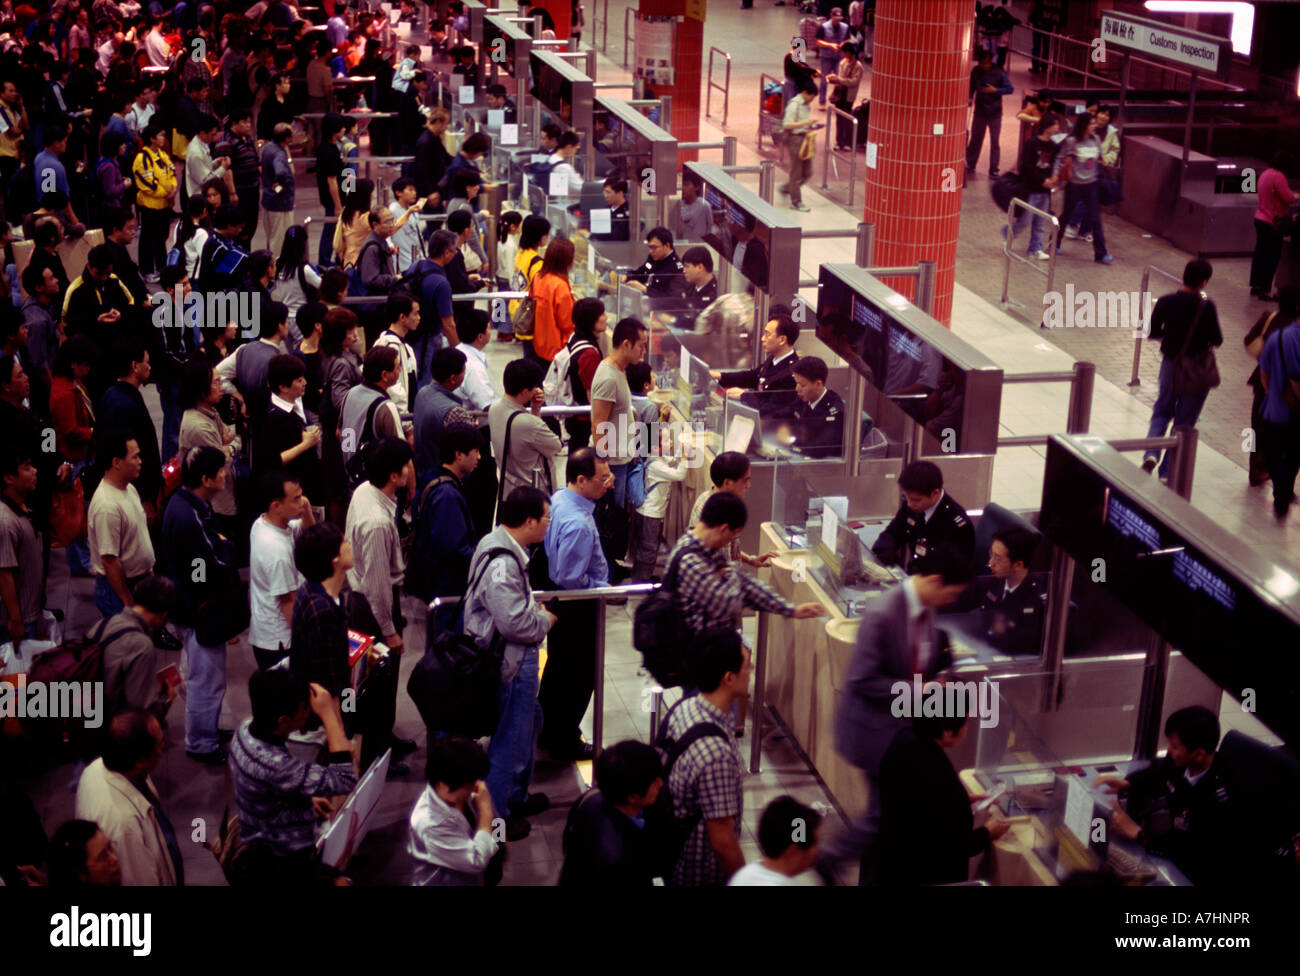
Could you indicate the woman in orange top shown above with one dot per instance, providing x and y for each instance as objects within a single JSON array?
[{"x": 553, "y": 318}]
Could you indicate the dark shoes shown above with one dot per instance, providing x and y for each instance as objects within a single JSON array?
[
  {"x": 574, "y": 752},
  {"x": 1258, "y": 478},
  {"x": 217, "y": 757},
  {"x": 225, "y": 735},
  {"x": 517, "y": 828},
  {"x": 403, "y": 748},
  {"x": 531, "y": 807}
]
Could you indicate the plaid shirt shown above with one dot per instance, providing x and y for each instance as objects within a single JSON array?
[
  {"x": 706, "y": 781},
  {"x": 711, "y": 592},
  {"x": 320, "y": 639}
]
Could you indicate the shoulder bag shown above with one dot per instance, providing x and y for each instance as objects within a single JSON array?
[
  {"x": 525, "y": 312},
  {"x": 1199, "y": 374}
]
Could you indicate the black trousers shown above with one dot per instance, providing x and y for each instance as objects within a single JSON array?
[
  {"x": 154, "y": 225},
  {"x": 569, "y": 678}
]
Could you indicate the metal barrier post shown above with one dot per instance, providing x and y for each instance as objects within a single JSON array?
[
  {"x": 627, "y": 14},
  {"x": 759, "y": 699},
  {"x": 925, "y": 284},
  {"x": 598, "y": 719},
  {"x": 1079, "y": 415},
  {"x": 767, "y": 179},
  {"x": 1143, "y": 324},
  {"x": 726, "y": 86},
  {"x": 1183, "y": 466},
  {"x": 729, "y": 150},
  {"x": 866, "y": 243},
  {"x": 1018, "y": 204},
  {"x": 666, "y": 113}
]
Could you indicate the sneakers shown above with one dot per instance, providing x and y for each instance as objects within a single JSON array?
[
  {"x": 1071, "y": 232},
  {"x": 1105, "y": 259},
  {"x": 1088, "y": 238},
  {"x": 801, "y": 207},
  {"x": 1041, "y": 255}
]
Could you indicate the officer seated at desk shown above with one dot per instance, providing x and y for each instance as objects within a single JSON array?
[
  {"x": 661, "y": 276},
  {"x": 1180, "y": 806},
  {"x": 497, "y": 99},
  {"x": 774, "y": 378},
  {"x": 928, "y": 518},
  {"x": 615, "y": 193},
  {"x": 817, "y": 413},
  {"x": 1013, "y": 603},
  {"x": 702, "y": 287}
]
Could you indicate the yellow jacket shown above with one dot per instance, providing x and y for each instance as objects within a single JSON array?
[{"x": 155, "y": 178}]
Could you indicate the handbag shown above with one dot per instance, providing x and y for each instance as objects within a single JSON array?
[
  {"x": 1254, "y": 341},
  {"x": 525, "y": 312},
  {"x": 808, "y": 148},
  {"x": 1199, "y": 374}
]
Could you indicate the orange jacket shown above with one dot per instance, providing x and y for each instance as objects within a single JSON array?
[{"x": 553, "y": 318}]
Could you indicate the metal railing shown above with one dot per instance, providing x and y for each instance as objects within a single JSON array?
[
  {"x": 600, "y": 595},
  {"x": 1142, "y": 324},
  {"x": 1078, "y": 416},
  {"x": 829, "y": 154},
  {"x": 1050, "y": 270},
  {"x": 727, "y": 145},
  {"x": 766, "y": 120},
  {"x": 628, "y": 36},
  {"x": 725, "y": 86},
  {"x": 603, "y": 21}
]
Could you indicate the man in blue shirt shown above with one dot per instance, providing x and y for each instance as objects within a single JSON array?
[
  {"x": 438, "y": 328},
  {"x": 48, "y": 169},
  {"x": 576, "y": 562},
  {"x": 988, "y": 84},
  {"x": 1279, "y": 440}
]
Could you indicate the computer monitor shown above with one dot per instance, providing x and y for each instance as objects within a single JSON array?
[{"x": 741, "y": 419}]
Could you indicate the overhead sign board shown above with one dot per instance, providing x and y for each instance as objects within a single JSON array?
[{"x": 1186, "y": 48}]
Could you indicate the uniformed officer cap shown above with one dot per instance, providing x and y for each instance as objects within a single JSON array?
[
  {"x": 922, "y": 477},
  {"x": 812, "y": 368}
]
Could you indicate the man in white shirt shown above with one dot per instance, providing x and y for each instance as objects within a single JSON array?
[
  {"x": 795, "y": 124},
  {"x": 787, "y": 836},
  {"x": 199, "y": 164},
  {"x": 403, "y": 316},
  {"x": 405, "y": 241},
  {"x": 562, "y": 163},
  {"x": 156, "y": 46},
  {"x": 142, "y": 109},
  {"x": 273, "y": 578},
  {"x": 477, "y": 391},
  {"x": 445, "y": 848},
  {"x": 121, "y": 552}
]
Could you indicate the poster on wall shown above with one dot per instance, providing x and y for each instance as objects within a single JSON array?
[{"x": 655, "y": 38}]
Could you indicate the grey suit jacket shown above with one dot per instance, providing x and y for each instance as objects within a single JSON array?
[{"x": 864, "y": 724}]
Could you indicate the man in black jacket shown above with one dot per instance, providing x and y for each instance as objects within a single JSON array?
[
  {"x": 818, "y": 412},
  {"x": 201, "y": 562},
  {"x": 611, "y": 835},
  {"x": 928, "y": 519},
  {"x": 245, "y": 166},
  {"x": 431, "y": 157},
  {"x": 122, "y": 408},
  {"x": 927, "y": 829},
  {"x": 287, "y": 437},
  {"x": 661, "y": 276},
  {"x": 774, "y": 378}
]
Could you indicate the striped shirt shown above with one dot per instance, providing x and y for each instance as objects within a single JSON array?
[
  {"x": 705, "y": 781},
  {"x": 711, "y": 593}
]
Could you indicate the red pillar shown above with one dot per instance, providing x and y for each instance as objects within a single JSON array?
[
  {"x": 688, "y": 65},
  {"x": 921, "y": 80}
]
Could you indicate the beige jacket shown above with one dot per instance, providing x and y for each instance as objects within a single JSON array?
[
  {"x": 533, "y": 447},
  {"x": 128, "y": 820},
  {"x": 201, "y": 427}
]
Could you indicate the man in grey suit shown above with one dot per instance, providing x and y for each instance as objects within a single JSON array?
[{"x": 897, "y": 638}]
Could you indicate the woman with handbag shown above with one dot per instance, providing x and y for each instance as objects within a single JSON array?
[
  {"x": 1272, "y": 223},
  {"x": 553, "y": 298},
  {"x": 1187, "y": 325},
  {"x": 1287, "y": 311},
  {"x": 846, "y": 81}
]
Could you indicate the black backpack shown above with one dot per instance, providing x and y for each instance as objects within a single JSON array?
[
  {"x": 456, "y": 685},
  {"x": 355, "y": 466},
  {"x": 417, "y": 582},
  {"x": 660, "y": 633},
  {"x": 672, "y": 833}
]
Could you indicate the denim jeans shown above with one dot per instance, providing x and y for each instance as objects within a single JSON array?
[
  {"x": 619, "y": 471},
  {"x": 205, "y": 689},
  {"x": 1041, "y": 201},
  {"x": 327, "y": 237},
  {"x": 425, "y": 347},
  {"x": 1182, "y": 410},
  {"x": 510, "y": 754},
  {"x": 827, "y": 67},
  {"x": 169, "y": 393},
  {"x": 1088, "y": 194},
  {"x": 106, "y": 599}
]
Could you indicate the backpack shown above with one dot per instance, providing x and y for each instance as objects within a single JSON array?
[
  {"x": 525, "y": 313},
  {"x": 559, "y": 383},
  {"x": 1005, "y": 189},
  {"x": 417, "y": 582},
  {"x": 355, "y": 287},
  {"x": 456, "y": 685},
  {"x": 77, "y": 662},
  {"x": 675, "y": 833},
  {"x": 355, "y": 466},
  {"x": 660, "y": 633}
]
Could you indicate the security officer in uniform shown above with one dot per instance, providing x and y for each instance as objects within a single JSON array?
[
  {"x": 818, "y": 413},
  {"x": 1013, "y": 603},
  {"x": 774, "y": 377},
  {"x": 620, "y": 227},
  {"x": 701, "y": 286},
  {"x": 661, "y": 276},
  {"x": 927, "y": 518}
]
